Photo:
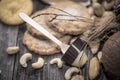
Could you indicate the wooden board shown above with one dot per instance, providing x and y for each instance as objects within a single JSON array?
[{"x": 9, "y": 65}]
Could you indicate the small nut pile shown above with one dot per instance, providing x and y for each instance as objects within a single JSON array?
[
  {"x": 28, "y": 56},
  {"x": 105, "y": 22}
]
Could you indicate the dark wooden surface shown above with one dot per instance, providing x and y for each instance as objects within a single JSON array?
[{"x": 9, "y": 65}]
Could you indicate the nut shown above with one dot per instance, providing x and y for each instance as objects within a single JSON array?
[
  {"x": 12, "y": 50},
  {"x": 94, "y": 45},
  {"x": 108, "y": 6},
  {"x": 70, "y": 71},
  {"x": 77, "y": 77},
  {"x": 25, "y": 57},
  {"x": 99, "y": 55},
  {"x": 57, "y": 61},
  {"x": 94, "y": 68},
  {"x": 98, "y": 9},
  {"x": 38, "y": 64},
  {"x": 90, "y": 11}
]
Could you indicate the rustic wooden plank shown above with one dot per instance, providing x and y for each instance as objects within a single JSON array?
[
  {"x": 48, "y": 72},
  {"x": 21, "y": 73},
  {"x": 52, "y": 72},
  {"x": 85, "y": 71},
  {"x": 8, "y": 37},
  {"x": 28, "y": 73}
]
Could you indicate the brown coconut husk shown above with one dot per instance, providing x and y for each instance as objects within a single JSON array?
[{"x": 111, "y": 55}]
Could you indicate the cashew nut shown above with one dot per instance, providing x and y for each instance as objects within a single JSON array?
[
  {"x": 108, "y": 6},
  {"x": 57, "y": 61},
  {"x": 25, "y": 58},
  {"x": 98, "y": 9},
  {"x": 12, "y": 50},
  {"x": 70, "y": 71},
  {"x": 99, "y": 55},
  {"x": 77, "y": 77},
  {"x": 38, "y": 64},
  {"x": 90, "y": 11}
]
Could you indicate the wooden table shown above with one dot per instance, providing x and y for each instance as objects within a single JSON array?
[{"x": 9, "y": 65}]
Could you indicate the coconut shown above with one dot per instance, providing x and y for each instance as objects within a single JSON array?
[{"x": 111, "y": 56}]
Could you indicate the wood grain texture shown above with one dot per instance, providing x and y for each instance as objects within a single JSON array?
[
  {"x": 10, "y": 66},
  {"x": 8, "y": 37}
]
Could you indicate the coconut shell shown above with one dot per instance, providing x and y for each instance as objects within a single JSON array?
[{"x": 111, "y": 56}]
